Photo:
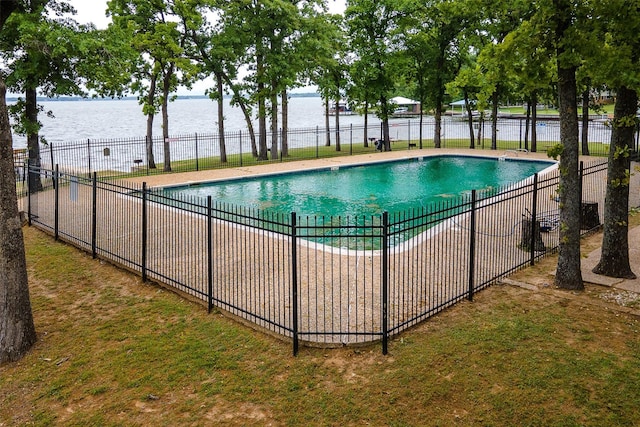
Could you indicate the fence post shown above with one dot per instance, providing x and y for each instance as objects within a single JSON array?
[
  {"x": 534, "y": 220},
  {"x": 520, "y": 134},
  {"x": 281, "y": 136},
  {"x": 317, "y": 142},
  {"x": 29, "y": 172},
  {"x": 147, "y": 141},
  {"x": 240, "y": 145},
  {"x": 56, "y": 187},
  {"x": 94, "y": 215},
  {"x": 50, "y": 155},
  {"x": 581, "y": 183},
  {"x": 409, "y": 134},
  {"x": 385, "y": 282},
  {"x": 472, "y": 246},
  {"x": 209, "y": 254},
  {"x": 144, "y": 232},
  {"x": 197, "y": 157},
  {"x": 351, "y": 139},
  {"x": 294, "y": 283},
  {"x": 89, "y": 155}
]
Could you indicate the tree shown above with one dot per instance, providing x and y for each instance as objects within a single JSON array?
[
  {"x": 252, "y": 24},
  {"x": 498, "y": 19},
  {"x": 222, "y": 48},
  {"x": 213, "y": 51},
  {"x": 43, "y": 54},
  {"x": 330, "y": 73},
  {"x": 330, "y": 69},
  {"x": 298, "y": 53},
  {"x": 469, "y": 82},
  {"x": 17, "y": 330},
  {"x": 617, "y": 65},
  {"x": 531, "y": 68},
  {"x": 159, "y": 33},
  {"x": 563, "y": 19},
  {"x": 373, "y": 26},
  {"x": 433, "y": 30}
]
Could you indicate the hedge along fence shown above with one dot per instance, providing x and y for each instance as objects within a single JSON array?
[{"x": 317, "y": 280}]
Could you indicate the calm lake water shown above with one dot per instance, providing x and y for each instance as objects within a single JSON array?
[
  {"x": 82, "y": 120},
  {"x": 108, "y": 119}
]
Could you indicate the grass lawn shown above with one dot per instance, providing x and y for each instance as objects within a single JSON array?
[
  {"x": 519, "y": 109},
  {"x": 114, "y": 351}
]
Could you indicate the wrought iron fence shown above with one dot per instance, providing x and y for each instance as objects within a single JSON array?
[
  {"x": 322, "y": 280},
  {"x": 118, "y": 157}
]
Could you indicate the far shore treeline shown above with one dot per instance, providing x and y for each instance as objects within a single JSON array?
[{"x": 14, "y": 99}]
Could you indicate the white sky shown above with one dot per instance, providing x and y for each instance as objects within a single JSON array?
[{"x": 94, "y": 10}]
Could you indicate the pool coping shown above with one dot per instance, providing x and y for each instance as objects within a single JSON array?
[
  {"x": 552, "y": 165},
  {"x": 191, "y": 178}
]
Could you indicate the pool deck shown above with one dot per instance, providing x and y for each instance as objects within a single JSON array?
[
  {"x": 587, "y": 265},
  {"x": 629, "y": 285},
  {"x": 301, "y": 165}
]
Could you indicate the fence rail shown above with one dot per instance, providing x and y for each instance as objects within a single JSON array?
[
  {"x": 119, "y": 157},
  {"x": 321, "y": 280}
]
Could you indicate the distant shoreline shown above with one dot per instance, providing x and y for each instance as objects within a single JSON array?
[{"x": 11, "y": 99}]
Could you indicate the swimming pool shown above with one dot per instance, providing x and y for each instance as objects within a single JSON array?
[{"x": 370, "y": 189}]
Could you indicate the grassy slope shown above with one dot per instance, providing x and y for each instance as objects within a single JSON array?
[{"x": 115, "y": 351}]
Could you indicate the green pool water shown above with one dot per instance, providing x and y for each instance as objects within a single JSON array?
[{"x": 368, "y": 189}]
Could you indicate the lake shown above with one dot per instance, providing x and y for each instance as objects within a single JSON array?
[{"x": 107, "y": 119}]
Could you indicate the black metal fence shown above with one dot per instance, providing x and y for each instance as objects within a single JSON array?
[
  {"x": 116, "y": 157},
  {"x": 315, "y": 279}
]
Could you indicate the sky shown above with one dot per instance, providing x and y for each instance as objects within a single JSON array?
[{"x": 94, "y": 11}]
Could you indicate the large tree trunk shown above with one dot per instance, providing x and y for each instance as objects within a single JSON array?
[
  {"x": 33, "y": 146},
  {"x": 262, "y": 126},
  {"x": 585, "y": 122},
  {"x": 327, "y": 123},
  {"x": 421, "y": 124},
  {"x": 245, "y": 112},
  {"x": 222, "y": 146},
  {"x": 338, "y": 147},
  {"x": 534, "y": 122},
  {"x": 467, "y": 106},
  {"x": 494, "y": 120},
  {"x": 568, "y": 274},
  {"x": 17, "y": 331},
  {"x": 151, "y": 161},
  {"x": 166, "y": 87},
  {"x": 262, "y": 109},
  {"x": 527, "y": 125},
  {"x": 366, "y": 124},
  {"x": 384, "y": 106},
  {"x": 614, "y": 261},
  {"x": 274, "y": 122},
  {"x": 284, "y": 140},
  {"x": 437, "y": 141},
  {"x": 440, "y": 90}
]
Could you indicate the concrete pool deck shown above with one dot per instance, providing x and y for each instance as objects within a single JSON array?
[{"x": 339, "y": 290}]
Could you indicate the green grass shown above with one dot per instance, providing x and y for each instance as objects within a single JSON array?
[
  {"x": 114, "y": 351},
  {"x": 519, "y": 109}
]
